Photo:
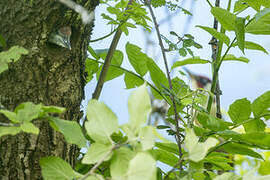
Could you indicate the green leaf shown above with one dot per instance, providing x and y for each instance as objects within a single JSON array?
[
  {"x": 91, "y": 67},
  {"x": 255, "y": 125},
  {"x": 261, "y": 24},
  {"x": 147, "y": 137},
  {"x": 142, "y": 167},
  {"x": 97, "y": 152},
  {"x": 197, "y": 150},
  {"x": 71, "y": 130},
  {"x": 12, "y": 116},
  {"x": 240, "y": 110},
  {"x": 231, "y": 57},
  {"x": 226, "y": 19},
  {"x": 234, "y": 148},
  {"x": 132, "y": 80},
  {"x": 239, "y": 6},
  {"x": 53, "y": 109},
  {"x": 2, "y": 41},
  {"x": 157, "y": 75},
  {"x": 182, "y": 52},
  {"x": 165, "y": 157},
  {"x": 170, "y": 147},
  {"x": 13, "y": 54},
  {"x": 9, "y": 130},
  {"x": 240, "y": 33},
  {"x": 55, "y": 168},
  {"x": 211, "y": 122},
  {"x": 139, "y": 107},
  {"x": 119, "y": 163},
  {"x": 261, "y": 104},
  {"x": 101, "y": 121},
  {"x": 113, "y": 71},
  {"x": 194, "y": 60},
  {"x": 254, "y": 46},
  {"x": 93, "y": 53},
  {"x": 220, "y": 36},
  {"x": 254, "y": 4},
  {"x": 137, "y": 59},
  {"x": 29, "y": 128}
]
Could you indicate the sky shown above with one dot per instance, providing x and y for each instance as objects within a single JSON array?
[{"x": 237, "y": 80}]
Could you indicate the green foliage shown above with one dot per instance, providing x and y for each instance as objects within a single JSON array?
[{"x": 12, "y": 55}]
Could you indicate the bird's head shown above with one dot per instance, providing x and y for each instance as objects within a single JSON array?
[
  {"x": 61, "y": 37},
  {"x": 199, "y": 81}
]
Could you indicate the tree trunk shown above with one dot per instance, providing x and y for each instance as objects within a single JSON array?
[{"x": 49, "y": 74}]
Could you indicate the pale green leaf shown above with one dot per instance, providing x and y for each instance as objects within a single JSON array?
[
  {"x": 119, "y": 163},
  {"x": 9, "y": 130},
  {"x": 13, "y": 54},
  {"x": 220, "y": 36},
  {"x": 96, "y": 152},
  {"x": 252, "y": 174},
  {"x": 240, "y": 33},
  {"x": 53, "y": 109},
  {"x": 194, "y": 60},
  {"x": 137, "y": 59},
  {"x": 231, "y": 57},
  {"x": 227, "y": 176},
  {"x": 165, "y": 157},
  {"x": 261, "y": 104},
  {"x": 28, "y": 111},
  {"x": 101, "y": 121},
  {"x": 239, "y": 6},
  {"x": 71, "y": 130},
  {"x": 197, "y": 150},
  {"x": 261, "y": 24},
  {"x": 29, "y": 128},
  {"x": 12, "y": 116},
  {"x": 55, "y": 168},
  {"x": 139, "y": 107},
  {"x": 226, "y": 19},
  {"x": 142, "y": 167},
  {"x": 147, "y": 137}
]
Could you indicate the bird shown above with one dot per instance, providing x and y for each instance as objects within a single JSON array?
[{"x": 61, "y": 37}]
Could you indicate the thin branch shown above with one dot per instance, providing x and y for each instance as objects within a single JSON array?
[
  {"x": 178, "y": 137},
  {"x": 108, "y": 59},
  {"x": 8, "y": 124},
  {"x": 209, "y": 3},
  {"x": 104, "y": 37}
]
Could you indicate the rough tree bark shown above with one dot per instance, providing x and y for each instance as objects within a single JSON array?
[{"x": 49, "y": 74}]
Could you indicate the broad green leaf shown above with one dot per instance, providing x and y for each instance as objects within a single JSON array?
[
  {"x": 239, "y": 6},
  {"x": 253, "y": 46},
  {"x": 9, "y": 130},
  {"x": 71, "y": 130},
  {"x": 142, "y": 167},
  {"x": 227, "y": 176},
  {"x": 231, "y": 57},
  {"x": 220, "y": 36},
  {"x": 132, "y": 80},
  {"x": 55, "y": 168},
  {"x": 13, "y": 54},
  {"x": 170, "y": 147},
  {"x": 261, "y": 104},
  {"x": 29, "y": 128},
  {"x": 147, "y": 137},
  {"x": 212, "y": 123},
  {"x": 119, "y": 163},
  {"x": 12, "y": 116},
  {"x": 260, "y": 25},
  {"x": 93, "y": 53},
  {"x": 91, "y": 67},
  {"x": 113, "y": 71},
  {"x": 197, "y": 150},
  {"x": 157, "y": 75},
  {"x": 194, "y": 60},
  {"x": 226, "y": 19},
  {"x": 165, "y": 157},
  {"x": 234, "y": 148},
  {"x": 240, "y": 33},
  {"x": 240, "y": 110},
  {"x": 254, "y": 4},
  {"x": 101, "y": 121},
  {"x": 139, "y": 107},
  {"x": 255, "y": 125},
  {"x": 28, "y": 111},
  {"x": 96, "y": 152},
  {"x": 221, "y": 161},
  {"x": 137, "y": 59}
]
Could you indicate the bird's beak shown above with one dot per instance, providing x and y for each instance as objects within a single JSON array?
[{"x": 67, "y": 44}]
